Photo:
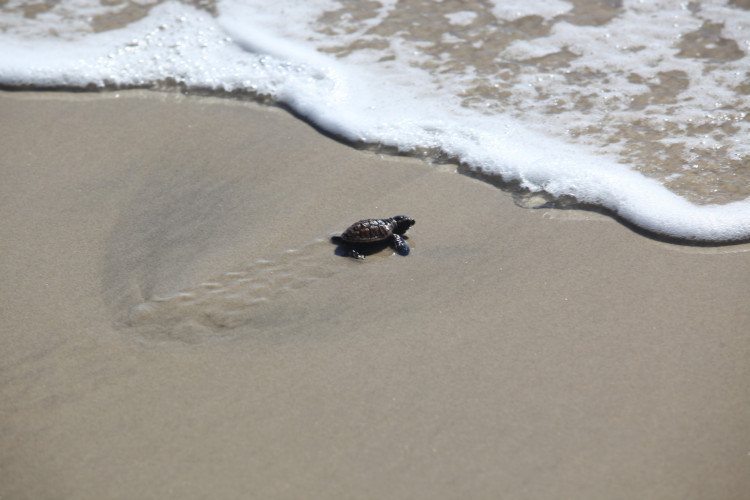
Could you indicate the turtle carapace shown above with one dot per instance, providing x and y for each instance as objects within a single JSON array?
[{"x": 369, "y": 231}]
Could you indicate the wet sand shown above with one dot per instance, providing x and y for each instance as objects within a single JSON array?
[{"x": 176, "y": 324}]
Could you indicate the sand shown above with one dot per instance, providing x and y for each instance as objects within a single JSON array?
[{"x": 176, "y": 324}]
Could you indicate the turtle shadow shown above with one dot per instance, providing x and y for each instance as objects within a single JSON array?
[{"x": 344, "y": 249}]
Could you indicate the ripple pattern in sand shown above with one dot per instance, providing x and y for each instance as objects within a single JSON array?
[{"x": 213, "y": 308}]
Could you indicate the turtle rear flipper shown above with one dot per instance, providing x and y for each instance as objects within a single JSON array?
[
  {"x": 353, "y": 252},
  {"x": 400, "y": 245}
]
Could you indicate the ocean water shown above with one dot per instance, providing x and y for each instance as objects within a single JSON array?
[{"x": 640, "y": 107}]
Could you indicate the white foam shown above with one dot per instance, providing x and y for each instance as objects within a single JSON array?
[
  {"x": 462, "y": 17},
  {"x": 393, "y": 105},
  {"x": 511, "y": 11},
  {"x": 636, "y": 49},
  {"x": 69, "y": 19}
]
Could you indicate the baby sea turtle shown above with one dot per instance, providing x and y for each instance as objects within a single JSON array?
[{"x": 368, "y": 232}]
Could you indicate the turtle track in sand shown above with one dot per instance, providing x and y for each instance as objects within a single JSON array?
[{"x": 216, "y": 307}]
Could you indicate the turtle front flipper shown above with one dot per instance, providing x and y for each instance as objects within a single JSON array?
[{"x": 400, "y": 245}]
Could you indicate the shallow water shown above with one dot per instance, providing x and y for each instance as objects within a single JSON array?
[{"x": 566, "y": 97}]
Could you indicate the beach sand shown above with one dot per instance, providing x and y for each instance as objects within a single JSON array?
[{"x": 176, "y": 323}]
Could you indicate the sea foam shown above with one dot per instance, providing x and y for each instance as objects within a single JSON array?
[{"x": 395, "y": 106}]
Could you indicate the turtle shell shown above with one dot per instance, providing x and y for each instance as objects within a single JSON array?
[{"x": 369, "y": 230}]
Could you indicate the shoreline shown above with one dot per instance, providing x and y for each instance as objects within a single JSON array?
[
  {"x": 524, "y": 198},
  {"x": 177, "y": 324}
]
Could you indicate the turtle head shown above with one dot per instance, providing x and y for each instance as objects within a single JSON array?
[{"x": 403, "y": 223}]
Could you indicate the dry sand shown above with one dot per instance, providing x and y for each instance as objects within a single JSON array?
[{"x": 175, "y": 324}]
